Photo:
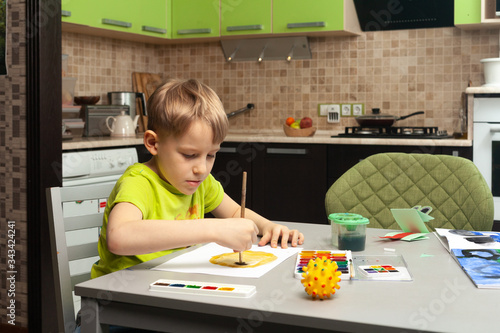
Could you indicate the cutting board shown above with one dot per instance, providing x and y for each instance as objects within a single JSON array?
[{"x": 145, "y": 83}]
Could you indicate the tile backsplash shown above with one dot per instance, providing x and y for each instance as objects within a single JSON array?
[{"x": 399, "y": 71}]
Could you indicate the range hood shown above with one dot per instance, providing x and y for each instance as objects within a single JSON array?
[
  {"x": 261, "y": 49},
  {"x": 378, "y": 15}
]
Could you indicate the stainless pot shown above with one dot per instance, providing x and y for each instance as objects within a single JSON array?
[
  {"x": 381, "y": 120},
  {"x": 127, "y": 98}
]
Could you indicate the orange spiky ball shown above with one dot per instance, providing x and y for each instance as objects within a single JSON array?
[{"x": 321, "y": 277}]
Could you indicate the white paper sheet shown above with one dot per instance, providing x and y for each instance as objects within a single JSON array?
[
  {"x": 457, "y": 239},
  {"x": 198, "y": 261}
]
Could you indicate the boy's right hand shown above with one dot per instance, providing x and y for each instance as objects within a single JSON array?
[{"x": 238, "y": 234}]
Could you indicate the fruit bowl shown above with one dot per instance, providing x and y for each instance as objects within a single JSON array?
[{"x": 299, "y": 132}]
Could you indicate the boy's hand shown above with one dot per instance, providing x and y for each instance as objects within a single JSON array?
[
  {"x": 237, "y": 234},
  {"x": 273, "y": 232}
]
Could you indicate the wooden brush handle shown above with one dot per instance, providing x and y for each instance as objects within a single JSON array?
[{"x": 243, "y": 193}]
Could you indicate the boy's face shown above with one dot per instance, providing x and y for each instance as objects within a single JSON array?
[{"x": 186, "y": 161}]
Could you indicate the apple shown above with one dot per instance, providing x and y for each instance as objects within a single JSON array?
[
  {"x": 295, "y": 125},
  {"x": 306, "y": 122}
]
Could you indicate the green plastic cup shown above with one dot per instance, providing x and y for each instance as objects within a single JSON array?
[{"x": 348, "y": 231}]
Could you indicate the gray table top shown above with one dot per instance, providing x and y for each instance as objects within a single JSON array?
[{"x": 441, "y": 298}]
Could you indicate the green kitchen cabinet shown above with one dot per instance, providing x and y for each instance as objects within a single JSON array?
[
  {"x": 245, "y": 17},
  {"x": 327, "y": 16},
  {"x": 78, "y": 11},
  {"x": 195, "y": 19},
  {"x": 155, "y": 18},
  {"x": 467, "y": 12},
  {"x": 118, "y": 15},
  {"x": 131, "y": 16}
]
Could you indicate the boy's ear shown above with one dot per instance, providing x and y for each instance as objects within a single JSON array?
[{"x": 151, "y": 140}]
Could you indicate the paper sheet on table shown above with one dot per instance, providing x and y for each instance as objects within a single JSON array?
[
  {"x": 458, "y": 239},
  {"x": 411, "y": 220},
  {"x": 198, "y": 261}
]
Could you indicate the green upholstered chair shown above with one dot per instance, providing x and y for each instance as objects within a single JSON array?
[{"x": 452, "y": 186}]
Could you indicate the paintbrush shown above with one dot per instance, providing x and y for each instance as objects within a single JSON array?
[
  {"x": 242, "y": 214},
  {"x": 351, "y": 268}
]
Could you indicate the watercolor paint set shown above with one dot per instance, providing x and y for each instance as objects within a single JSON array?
[
  {"x": 381, "y": 268},
  {"x": 203, "y": 288},
  {"x": 342, "y": 259}
]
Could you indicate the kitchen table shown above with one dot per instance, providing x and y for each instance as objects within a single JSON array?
[{"x": 440, "y": 298}]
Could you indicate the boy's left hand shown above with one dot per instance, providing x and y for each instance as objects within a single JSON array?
[{"x": 274, "y": 232}]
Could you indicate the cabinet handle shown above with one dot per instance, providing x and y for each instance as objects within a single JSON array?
[
  {"x": 65, "y": 13},
  {"x": 116, "y": 23},
  {"x": 288, "y": 151},
  {"x": 494, "y": 128},
  {"x": 193, "y": 31},
  {"x": 245, "y": 27},
  {"x": 153, "y": 29},
  {"x": 306, "y": 25},
  {"x": 227, "y": 150}
]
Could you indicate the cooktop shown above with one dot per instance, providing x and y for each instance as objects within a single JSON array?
[{"x": 395, "y": 132}]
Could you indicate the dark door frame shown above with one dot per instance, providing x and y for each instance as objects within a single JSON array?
[{"x": 44, "y": 151}]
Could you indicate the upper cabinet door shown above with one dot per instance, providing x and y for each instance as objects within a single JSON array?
[
  {"x": 467, "y": 12},
  {"x": 155, "y": 18},
  {"x": 245, "y": 17},
  {"x": 119, "y": 15},
  {"x": 78, "y": 11},
  {"x": 195, "y": 18},
  {"x": 132, "y": 16},
  {"x": 292, "y": 16}
]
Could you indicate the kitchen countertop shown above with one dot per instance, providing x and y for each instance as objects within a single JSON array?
[
  {"x": 483, "y": 90},
  {"x": 271, "y": 136}
]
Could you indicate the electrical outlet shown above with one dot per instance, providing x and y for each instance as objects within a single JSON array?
[
  {"x": 357, "y": 109},
  {"x": 346, "y": 110},
  {"x": 333, "y": 113}
]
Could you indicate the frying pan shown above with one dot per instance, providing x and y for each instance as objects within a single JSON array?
[{"x": 381, "y": 120}]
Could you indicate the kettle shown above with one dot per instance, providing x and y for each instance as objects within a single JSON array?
[
  {"x": 122, "y": 125},
  {"x": 128, "y": 98}
]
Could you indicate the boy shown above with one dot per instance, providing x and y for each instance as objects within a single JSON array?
[{"x": 158, "y": 207}]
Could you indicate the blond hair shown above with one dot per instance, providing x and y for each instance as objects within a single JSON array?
[{"x": 176, "y": 104}]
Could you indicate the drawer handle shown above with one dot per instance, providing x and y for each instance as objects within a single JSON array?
[
  {"x": 65, "y": 13},
  {"x": 227, "y": 150},
  {"x": 494, "y": 128},
  {"x": 245, "y": 27},
  {"x": 153, "y": 29},
  {"x": 116, "y": 23},
  {"x": 193, "y": 31},
  {"x": 288, "y": 151},
  {"x": 306, "y": 25}
]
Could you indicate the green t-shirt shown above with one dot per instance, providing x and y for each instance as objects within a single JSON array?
[{"x": 157, "y": 200}]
